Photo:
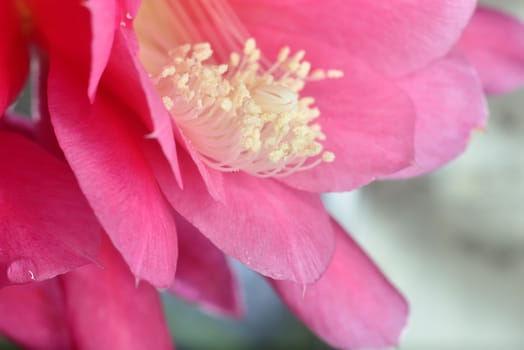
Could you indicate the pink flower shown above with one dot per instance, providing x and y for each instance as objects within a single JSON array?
[{"x": 231, "y": 160}]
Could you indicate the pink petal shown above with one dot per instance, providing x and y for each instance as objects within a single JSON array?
[
  {"x": 139, "y": 94},
  {"x": 396, "y": 37},
  {"x": 368, "y": 120},
  {"x": 213, "y": 179},
  {"x": 103, "y": 145},
  {"x": 494, "y": 43},
  {"x": 450, "y": 107},
  {"x": 352, "y": 305},
  {"x": 46, "y": 227},
  {"x": 203, "y": 275},
  {"x": 277, "y": 231},
  {"x": 33, "y": 315},
  {"x": 14, "y": 59},
  {"x": 104, "y": 21},
  {"x": 107, "y": 310}
]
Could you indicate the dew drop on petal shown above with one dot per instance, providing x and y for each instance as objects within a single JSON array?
[{"x": 22, "y": 270}]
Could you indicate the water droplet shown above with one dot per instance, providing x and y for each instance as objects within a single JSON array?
[
  {"x": 129, "y": 16},
  {"x": 22, "y": 270},
  {"x": 123, "y": 24}
]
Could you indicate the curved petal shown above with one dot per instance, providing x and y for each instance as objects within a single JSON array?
[
  {"x": 367, "y": 119},
  {"x": 352, "y": 305},
  {"x": 494, "y": 43},
  {"x": 139, "y": 94},
  {"x": 104, "y": 21},
  {"x": 103, "y": 145},
  {"x": 34, "y": 315},
  {"x": 108, "y": 310},
  {"x": 279, "y": 232},
  {"x": 203, "y": 274},
  {"x": 396, "y": 37},
  {"x": 46, "y": 226},
  {"x": 14, "y": 57},
  {"x": 450, "y": 107}
]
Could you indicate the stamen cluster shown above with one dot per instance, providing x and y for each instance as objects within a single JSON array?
[{"x": 239, "y": 116}]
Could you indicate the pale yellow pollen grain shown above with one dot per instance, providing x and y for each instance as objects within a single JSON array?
[
  {"x": 283, "y": 54},
  {"x": 226, "y": 104},
  {"x": 234, "y": 59},
  {"x": 168, "y": 71},
  {"x": 304, "y": 69},
  {"x": 222, "y": 69},
  {"x": 182, "y": 82},
  {"x": 202, "y": 51},
  {"x": 249, "y": 46},
  {"x": 299, "y": 55},
  {"x": 168, "y": 102},
  {"x": 318, "y": 74},
  {"x": 254, "y": 56},
  {"x": 328, "y": 157},
  {"x": 335, "y": 73}
]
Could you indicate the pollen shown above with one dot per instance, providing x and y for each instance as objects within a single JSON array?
[{"x": 246, "y": 115}]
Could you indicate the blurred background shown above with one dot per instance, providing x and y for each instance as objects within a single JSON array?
[{"x": 452, "y": 242}]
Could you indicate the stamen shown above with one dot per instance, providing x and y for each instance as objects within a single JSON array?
[{"x": 242, "y": 117}]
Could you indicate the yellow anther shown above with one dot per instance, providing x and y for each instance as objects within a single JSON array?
[
  {"x": 168, "y": 102},
  {"x": 318, "y": 74},
  {"x": 249, "y": 46},
  {"x": 182, "y": 81},
  {"x": 335, "y": 73},
  {"x": 303, "y": 70},
  {"x": 283, "y": 54},
  {"x": 168, "y": 71},
  {"x": 328, "y": 157},
  {"x": 226, "y": 104},
  {"x": 234, "y": 59},
  {"x": 202, "y": 51}
]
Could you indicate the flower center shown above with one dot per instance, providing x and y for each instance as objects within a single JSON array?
[
  {"x": 244, "y": 115},
  {"x": 241, "y": 117}
]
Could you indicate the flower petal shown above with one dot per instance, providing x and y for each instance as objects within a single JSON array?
[
  {"x": 494, "y": 43},
  {"x": 139, "y": 94},
  {"x": 396, "y": 37},
  {"x": 33, "y": 315},
  {"x": 108, "y": 310},
  {"x": 367, "y": 119},
  {"x": 352, "y": 305},
  {"x": 103, "y": 145},
  {"x": 203, "y": 275},
  {"x": 104, "y": 21},
  {"x": 277, "y": 231},
  {"x": 14, "y": 58},
  {"x": 450, "y": 106},
  {"x": 46, "y": 227}
]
